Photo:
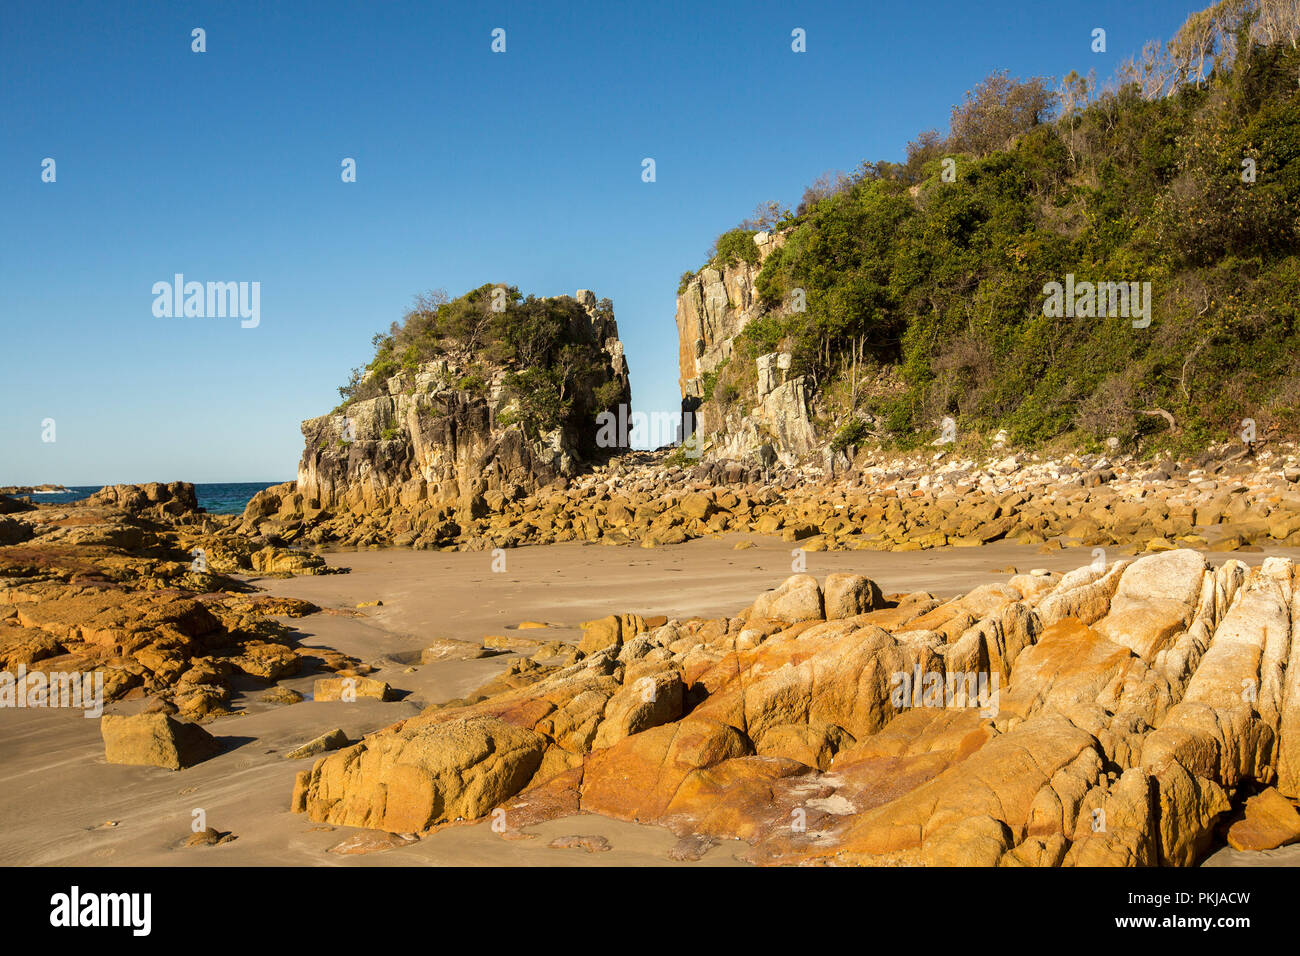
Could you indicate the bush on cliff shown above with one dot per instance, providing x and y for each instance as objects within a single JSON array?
[{"x": 734, "y": 245}]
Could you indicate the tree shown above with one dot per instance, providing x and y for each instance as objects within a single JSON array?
[
  {"x": 828, "y": 184},
  {"x": 1156, "y": 70},
  {"x": 766, "y": 215},
  {"x": 1192, "y": 45},
  {"x": 1279, "y": 22},
  {"x": 926, "y": 147},
  {"x": 998, "y": 110},
  {"x": 1074, "y": 95},
  {"x": 537, "y": 391}
]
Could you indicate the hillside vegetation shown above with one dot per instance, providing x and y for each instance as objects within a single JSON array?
[{"x": 925, "y": 281}]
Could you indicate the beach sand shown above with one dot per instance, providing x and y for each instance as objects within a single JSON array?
[{"x": 59, "y": 793}]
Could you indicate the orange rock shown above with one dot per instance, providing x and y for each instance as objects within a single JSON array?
[
  {"x": 1270, "y": 821},
  {"x": 638, "y": 777}
]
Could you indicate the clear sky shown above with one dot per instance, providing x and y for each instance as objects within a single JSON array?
[{"x": 521, "y": 167}]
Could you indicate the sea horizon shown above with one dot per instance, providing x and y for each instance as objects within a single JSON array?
[{"x": 214, "y": 497}]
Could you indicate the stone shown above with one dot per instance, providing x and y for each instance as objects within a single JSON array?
[
  {"x": 266, "y": 661},
  {"x": 848, "y": 595},
  {"x": 332, "y": 740},
  {"x": 1270, "y": 821},
  {"x": 345, "y": 688},
  {"x": 450, "y": 649},
  {"x": 281, "y": 695},
  {"x": 210, "y": 837},
  {"x": 592, "y": 843},
  {"x": 799, "y": 598},
  {"x": 610, "y": 631},
  {"x": 372, "y": 841},
  {"x": 639, "y": 776},
  {"x": 640, "y": 704},
  {"x": 155, "y": 740},
  {"x": 697, "y": 506},
  {"x": 412, "y": 781}
]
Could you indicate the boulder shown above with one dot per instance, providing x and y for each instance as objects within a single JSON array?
[
  {"x": 350, "y": 688},
  {"x": 1270, "y": 821},
  {"x": 641, "y": 703},
  {"x": 326, "y": 742},
  {"x": 450, "y": 649},
  {"x": 847, "y": 595},
  {"x": 409, "y": 780},
  {"x": 155, "y": 740},
  {"x": 799, "y": 598}
]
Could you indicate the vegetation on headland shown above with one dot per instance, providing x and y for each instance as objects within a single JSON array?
[
  {"x": 924, "y": 280},
  {"x": 542, "y": 350}
]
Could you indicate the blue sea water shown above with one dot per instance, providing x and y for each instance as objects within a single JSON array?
[{"x": 218, "y": 498}]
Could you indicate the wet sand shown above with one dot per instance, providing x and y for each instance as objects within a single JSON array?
[{"x": 59, "y": 792}]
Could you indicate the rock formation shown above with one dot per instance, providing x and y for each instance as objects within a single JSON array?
[
  {"x": 155, "y": 740},
  {"x": 443, "y": 454},
  {"x": 713, "y": 308},
  {"x": 1109, "y": 716},
  {"x": 130, "y": 588},
  {"x": 442, "y": 444},
  {"x": 922, "y": 502}
]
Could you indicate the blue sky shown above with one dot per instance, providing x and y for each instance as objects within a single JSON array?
[{"x": 472, "y": 167}]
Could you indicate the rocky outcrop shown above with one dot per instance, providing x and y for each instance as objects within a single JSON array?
[
  {"x": 713, "y": 308},
  {"x": 771, "y": 421},
  {"x": 434, "y": 773},
  {"x": 429, "y": 443},
  {"x": 435, "y": 451},
  {"x": 885, "y": 504},
  {"x": 985, "y": 730},
  {"x": 776, "y": 429},
  {"x": 118, "y": 598},
  {"x": 173, "y": 498}
]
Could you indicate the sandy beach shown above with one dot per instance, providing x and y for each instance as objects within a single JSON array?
[{"x": 60, "y": 796}]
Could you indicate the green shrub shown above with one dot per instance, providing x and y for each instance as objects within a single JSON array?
[
  {"x": 710, "y": 380},
  {"x": 762, "y": 336},
  {"x": 735, "y": 245},
  {"x": 850, "y": 433}
]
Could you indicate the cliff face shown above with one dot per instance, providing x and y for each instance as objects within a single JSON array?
[
  {"x": 427, "y": 442},
  {"x": 769, "y": 419}
]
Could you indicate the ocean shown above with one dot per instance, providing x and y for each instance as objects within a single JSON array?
[{"x": 218, "y": 498}]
